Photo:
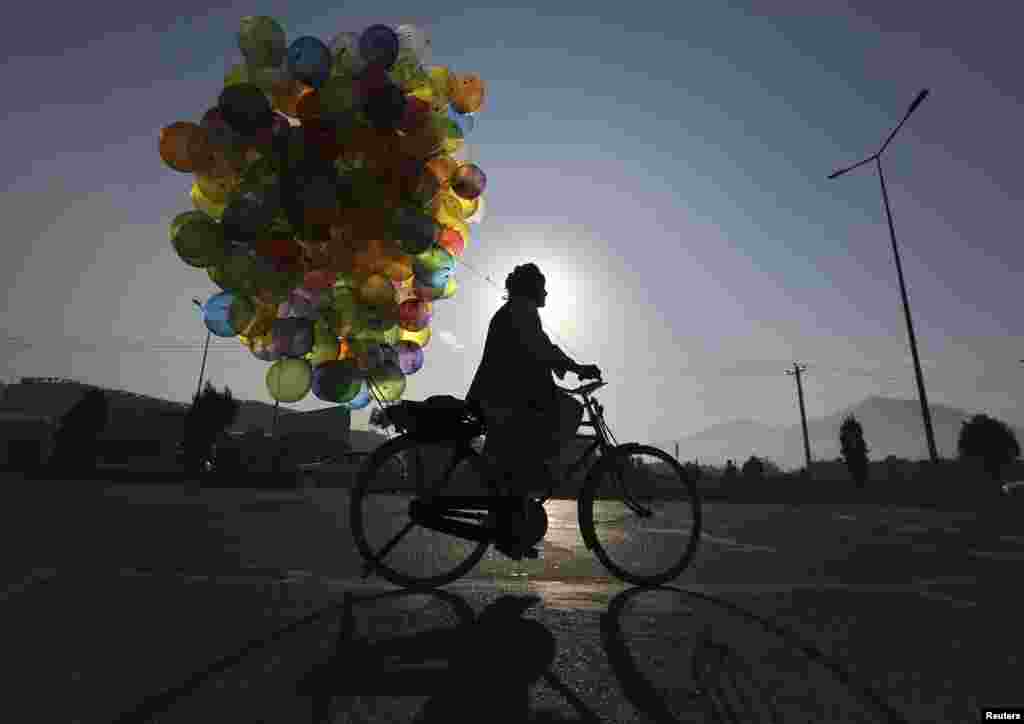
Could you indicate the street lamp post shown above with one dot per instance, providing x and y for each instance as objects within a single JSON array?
[
  {"x": 206, "y": 348},
  {"x": 877, "y": 158}
]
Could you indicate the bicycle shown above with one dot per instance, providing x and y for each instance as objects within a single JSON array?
[{"x": 637, "y": 477}]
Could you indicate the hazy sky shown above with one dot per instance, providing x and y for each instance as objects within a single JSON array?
[{"x": 664, "y": 163}]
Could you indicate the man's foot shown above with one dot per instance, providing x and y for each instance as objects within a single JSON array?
[{"x": 511, "y": 526}]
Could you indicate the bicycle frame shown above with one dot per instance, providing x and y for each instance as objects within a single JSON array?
[{"x": 444, "y": 518}]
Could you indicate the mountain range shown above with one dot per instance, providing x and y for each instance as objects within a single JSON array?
[{"x": 891, "y": 427}]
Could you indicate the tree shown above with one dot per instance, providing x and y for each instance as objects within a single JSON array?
[
  {"x": 211, "y": 414},
  {"x": 855, "y": 450},
  {"x": 753, "y": 468},
  {"x": 989, "y": 440}
]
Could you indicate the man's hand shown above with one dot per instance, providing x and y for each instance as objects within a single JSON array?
[{"x": 588, "y": 372}]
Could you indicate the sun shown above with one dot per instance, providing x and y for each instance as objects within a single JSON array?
[{"x": 559, "y": 314}]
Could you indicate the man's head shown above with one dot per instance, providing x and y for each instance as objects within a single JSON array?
[{"x": 527, "y": 281}]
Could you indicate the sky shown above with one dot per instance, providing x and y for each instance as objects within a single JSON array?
[{"x": 663, "y": 163}]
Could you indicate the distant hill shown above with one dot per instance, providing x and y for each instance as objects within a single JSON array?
[{"x": 891, "y": 427}]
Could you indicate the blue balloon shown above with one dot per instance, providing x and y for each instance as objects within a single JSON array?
[
  {"x": 309, "y": 61},
  {"x": 361, "y": 400},
  {"x": 378, "y": 45},
  {"x": 465, "y": 121},
  {"x": 217, "y": 314}
]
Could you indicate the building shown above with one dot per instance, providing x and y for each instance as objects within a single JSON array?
[{"x": 145, "y": 432}]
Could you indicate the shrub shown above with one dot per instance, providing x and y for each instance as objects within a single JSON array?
[
  {"x": 855, "y": 450},
  {"x": 990, "y": 441}
]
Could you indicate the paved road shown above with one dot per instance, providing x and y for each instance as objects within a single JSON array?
[{"x": 246, "y": 606}]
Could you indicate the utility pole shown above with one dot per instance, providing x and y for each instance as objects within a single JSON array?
[
  {"x": 677, "y": 449},
  {"x": 796, "y": 371},
  {"x": 919, "y": 376}
]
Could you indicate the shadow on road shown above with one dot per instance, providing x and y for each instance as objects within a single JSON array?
[{"x": 486, "y": 666}]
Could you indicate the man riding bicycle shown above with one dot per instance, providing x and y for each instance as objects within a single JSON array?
[{"x": 528, "y": 418}]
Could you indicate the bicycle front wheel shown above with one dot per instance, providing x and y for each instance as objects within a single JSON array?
[
  {"x": 393, "y": 545},
  {"x": 640, "y": 513}
]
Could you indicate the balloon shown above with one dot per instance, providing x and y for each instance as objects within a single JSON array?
[
  {"x": 421, "y": 337},
  {"x": 385, "y": 107},
  {"x": 414, "y": 40},
  {"x": 293, "y": 337},
  {"x": 285, "y": 94},
  {"x": 204, "y": 204},
  {"x": 379, "y": 354},
  {"x": 362, "y": 398},
  {"x": 333, "y": 193},
  {"x": 245, "y": 108},
  {"x": 262, "y": 348},
  {"x": 480, "y": 213},
  {"x": 465, "y": 121},
  {"x": 225, "y": 314},
  {"x": 337, "y": 381},
  {"x": 378, "y": 45},
  {"x": 433, "y": 259},
  {"x": 289, "y": 380},
  {"x": 387, "y": 381},
  {"x": 377, "y": 290},
  {"x": 415, "y": 231},
  {"x": 262, "y": 41},
  {"x": 198, "y": 239},
  {"x": 466, "y": 92},
  {"x": 336, "y": 96},
  {"x": 469, "y": 181},
  {"x": 452, "y": 241},
  {"x": 246, "y": 216},
  {"x": 410, "y": 356},
  {"x": 309, "y": 61},
  {"x": 348, "y": 61},
  {"x": 415, "y": 315},
  {"x": 185, "y": 147}
]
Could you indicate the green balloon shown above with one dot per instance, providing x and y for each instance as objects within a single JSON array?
[
  {"x": 387, "y": 381},
  {"x": 262, "y": 41},
  {"x": 198, "y": 239},
  {"x": 434, "y": 258},
  {"x": 289, "y": 379},
  {"x": 235, "y": 274},
  {"x": 337, "y": 95}
]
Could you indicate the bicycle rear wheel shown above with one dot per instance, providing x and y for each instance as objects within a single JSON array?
[
  {"x": 640, "y": 513},
  {"x": 393, "y": 545}
]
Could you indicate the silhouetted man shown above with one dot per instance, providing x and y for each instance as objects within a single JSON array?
[{"x": 528, "y": 418}]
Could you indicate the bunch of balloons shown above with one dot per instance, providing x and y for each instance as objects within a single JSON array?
[{"x": 332, "y": 197}]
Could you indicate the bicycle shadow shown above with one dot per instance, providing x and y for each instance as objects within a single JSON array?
[
  {"x": 487, "y": 663},
  {"x": 728, "y": 685}
]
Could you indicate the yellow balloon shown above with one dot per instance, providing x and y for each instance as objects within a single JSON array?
[
  {"x": 422, "y": 337},
  {"x": 450, "y": 288},
  {"x": 204, "y": 204}
]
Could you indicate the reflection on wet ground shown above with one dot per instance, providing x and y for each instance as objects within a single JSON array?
[{"x": 189, "y": 597}]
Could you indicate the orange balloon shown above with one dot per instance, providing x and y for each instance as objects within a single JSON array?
[
  {"x": 185, "y": 147},
  {"x": 399, "y": 269},
  {"x": 307, "y": 104},
  {"x": 285, "y": 94},
  {"x": 466, "y": 92},
  {"x": 442, "y": 168},
  {"x": 424, "y": 144}
]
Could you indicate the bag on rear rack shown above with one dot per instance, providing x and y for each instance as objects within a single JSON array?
[{"x": 439, "y": 418}]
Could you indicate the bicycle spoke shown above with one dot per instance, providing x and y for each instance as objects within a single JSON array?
[{"x": 643, "y": 514}]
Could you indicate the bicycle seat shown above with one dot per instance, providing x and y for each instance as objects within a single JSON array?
[{"x": 584, "y": 389}]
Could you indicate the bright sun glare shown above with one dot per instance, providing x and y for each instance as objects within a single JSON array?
[{"x": 559, "y": 314}]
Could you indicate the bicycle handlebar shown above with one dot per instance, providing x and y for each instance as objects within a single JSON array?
[{"x": 583, "y": 389}]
